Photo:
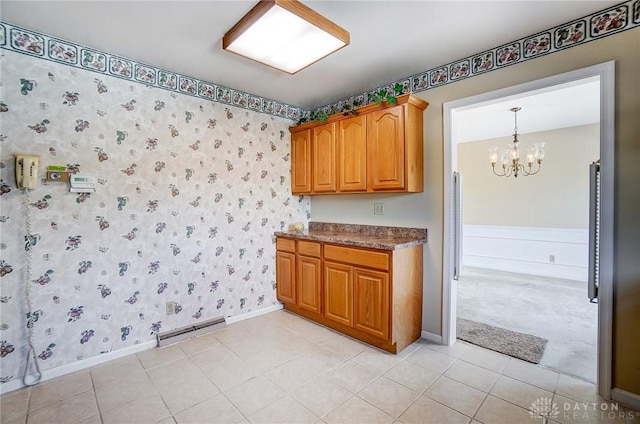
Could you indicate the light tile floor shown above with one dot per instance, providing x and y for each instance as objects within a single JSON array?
[{"x": 280, "y": 368}]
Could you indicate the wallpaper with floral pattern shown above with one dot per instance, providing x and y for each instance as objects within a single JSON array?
[{"x": 189, "y": 193}]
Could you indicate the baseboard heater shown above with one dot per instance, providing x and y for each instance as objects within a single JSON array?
[{"x": 180, "y": 334}]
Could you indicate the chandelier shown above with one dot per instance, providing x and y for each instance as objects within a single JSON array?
[{"x": 510, "y": 158}]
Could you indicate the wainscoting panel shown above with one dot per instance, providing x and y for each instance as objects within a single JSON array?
[{"x": 552, "y": 252}]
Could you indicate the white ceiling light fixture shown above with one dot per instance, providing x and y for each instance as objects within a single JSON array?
[
  {"x": 510, "y": 158},
  {"x": 284, "y": 34}
]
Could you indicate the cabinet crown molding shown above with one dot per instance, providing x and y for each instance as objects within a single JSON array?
[{"x": 403, "y": 99}]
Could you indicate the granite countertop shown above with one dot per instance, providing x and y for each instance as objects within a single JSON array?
[{"x": 369, "y": 236}]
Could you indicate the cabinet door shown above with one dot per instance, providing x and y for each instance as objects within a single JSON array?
[
  {"x": 285, "y": 277},
  {"x": 301, "y": 162},
  {"x": 385, "y": 149},
  {"x": 324, "y": 158},
  {"x": 371, "y": 294},
  {"x": 309, "y": 281},
  {"x": 338, "y": 293},
  {"x": 352, "y": 154}
]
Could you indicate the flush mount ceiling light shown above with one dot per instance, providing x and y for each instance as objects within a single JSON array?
[{"x": 284, "y": 34}]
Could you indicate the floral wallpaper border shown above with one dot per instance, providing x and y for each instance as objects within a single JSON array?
[
  {"x": 613, "y": 20},
  {"x": 46, "y": 47}
]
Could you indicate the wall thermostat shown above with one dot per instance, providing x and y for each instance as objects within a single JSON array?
[{"x": 82, "y": 184}]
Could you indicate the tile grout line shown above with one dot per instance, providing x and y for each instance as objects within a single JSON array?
[
  {"x": 349, "y": 357},
  {"x": 453, "y": 409},
  {"x": 95, "y": 395}
]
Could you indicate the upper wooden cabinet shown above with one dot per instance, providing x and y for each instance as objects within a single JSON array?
[
  {"x": 352, "y": 154},
  {"x": 386, "y": 155},
  {"x": 378, "y": 150},
  {"x": 301, "y": 162},
  {"x": 324, "y": 159}
]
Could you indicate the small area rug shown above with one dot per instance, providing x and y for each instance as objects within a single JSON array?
[{"x": 519, "y": 345}]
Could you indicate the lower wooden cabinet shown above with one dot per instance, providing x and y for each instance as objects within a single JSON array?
[
  {"x": 286, "y": 276},
  {"x": 309, "y": 283},
  {"x": 338, "y": 289},
  {"x": 372, "y": 295},
  {"x": 371, "y": 302}
]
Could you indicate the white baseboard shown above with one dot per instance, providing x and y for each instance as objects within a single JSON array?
[
  {"x": 80, "y": 365},
  {"x": 237, "y": 318},
  {"x": 110, "y": 356},
  {"x": 629, "y": 399},
  {"x": 432, "y": 337},
  {"x": 527, "y": 250}
]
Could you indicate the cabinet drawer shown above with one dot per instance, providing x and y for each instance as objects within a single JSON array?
[
  {"x": 309, "y": 248},
  {"x": 288, "y": 245},
  {"x": 362, "y": 257}
]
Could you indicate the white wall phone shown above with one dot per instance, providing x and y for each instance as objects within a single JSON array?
[
  {"x": 27, "y": 171},
  {"x": 27, "y": 179}
]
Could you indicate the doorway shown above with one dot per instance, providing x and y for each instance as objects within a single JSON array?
[
  {"x": 604, "y": 74},
  {"x": 525, "y": 239}
]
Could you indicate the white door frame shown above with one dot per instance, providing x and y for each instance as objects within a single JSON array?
[{"x": 606, "y": 73}]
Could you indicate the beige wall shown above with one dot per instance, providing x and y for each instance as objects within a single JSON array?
[
  {"x": 426, "y": 209},
  {"x": 556, "y": 197}
]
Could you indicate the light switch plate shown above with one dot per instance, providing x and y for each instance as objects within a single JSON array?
[{"x": 55, "y": 176}]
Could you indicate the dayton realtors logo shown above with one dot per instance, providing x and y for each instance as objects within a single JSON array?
[{"x": 546, "y": 409}]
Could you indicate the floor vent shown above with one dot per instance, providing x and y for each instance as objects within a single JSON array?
[{"x": 180, "y": 334}]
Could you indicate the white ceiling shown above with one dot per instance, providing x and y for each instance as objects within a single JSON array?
[
  {"x": 390, "y": 40},
  {"x": 561, "y": 106}
]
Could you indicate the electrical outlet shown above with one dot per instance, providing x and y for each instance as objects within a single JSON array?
[
  {"x": 552, "y": 258},
  {"x": 171, "y": 305},
  {"x": 378, "y": 208}
]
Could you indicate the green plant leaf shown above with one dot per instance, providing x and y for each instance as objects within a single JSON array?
[
  {"x": 398, "y": 88},
  {"x": 392, "y": 99},
  {"x": 300, "y": 121}
]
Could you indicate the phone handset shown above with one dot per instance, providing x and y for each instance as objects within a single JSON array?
[
  {"x": 27, "y": 171},
  {"x": 27, "y": 179}
]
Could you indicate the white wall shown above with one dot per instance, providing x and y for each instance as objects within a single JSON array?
[
  {"x": 550, "y": 252},
  {"x": 531, "y": 225},
  {"x": 556, "y": 197}
]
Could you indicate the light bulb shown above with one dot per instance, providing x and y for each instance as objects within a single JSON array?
[
  {"x": 531, "y": 154},
  {"x": 493, "y": 155},
  {"x": 514, "y": 153},
  {"x": 505, "y": 158},
  {"x": 539, "y": 148}
]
